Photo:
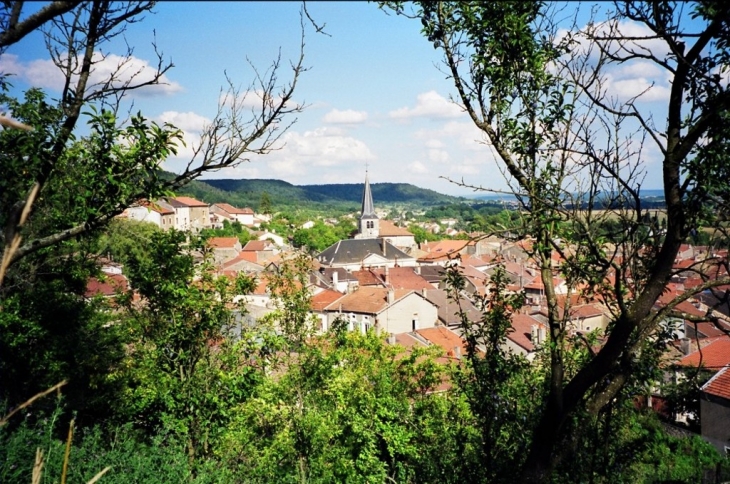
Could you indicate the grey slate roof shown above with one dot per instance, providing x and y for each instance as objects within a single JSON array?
[
  {"x": 368, "y": 208},
  {"x": 352, "y": 251}
]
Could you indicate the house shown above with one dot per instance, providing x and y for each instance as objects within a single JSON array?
[
  {"x": 276, "y": 239},
  {"x": 715, "y": 411},
  {"x": 444, "y": 252},
  {"x": 387, "y": 310},
  {"x": 448, "y": 309},
  {"x": 159, "y": 213},
  {"x": 224, "y": 248},
  {"x": 246, "y": 262},
  {"x": 339, "y": 279},
  {"x": 318, "y": 304},
  {"x": 264, "y": 249},
  {"x": 452, "y": 344},
  {"x": 225, "y": 211},
  {"x": 526, "y": 336},
  {"x": 107, "y": 286},
  {"x": 354, "y": 254},
  {"x": 190, "y": 214},
  {"x": 398, "y": 236}
]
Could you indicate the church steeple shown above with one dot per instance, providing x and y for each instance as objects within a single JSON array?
[{"x": 368, "y": 219}]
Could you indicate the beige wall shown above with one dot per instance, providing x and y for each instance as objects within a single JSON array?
[
  {"x": 399, "y": 317},
  {"x": 199, "y": 218}
]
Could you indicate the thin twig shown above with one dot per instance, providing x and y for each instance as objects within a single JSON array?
[{"x": 30, "y": 401}]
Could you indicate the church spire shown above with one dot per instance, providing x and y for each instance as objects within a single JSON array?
[
  {"x": 367, "y": 199},
  {"x": 369, "y": 226}
]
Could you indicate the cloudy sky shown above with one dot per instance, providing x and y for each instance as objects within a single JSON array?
[{"x": 374, "y": 94}]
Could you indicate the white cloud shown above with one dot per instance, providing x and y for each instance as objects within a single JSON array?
[
  {"x": 348, "y": 116},
  {"x": 429, "y": 105},
  {"x": 322, "y": 147},
  {"x": 45, "y": 74},
  {"x": 452, "y": 134},
  {"x": 188, "y": 121},
  {"x": 192, "y": 125},
  {"x": 626, "y": 89},
  {"x": 417, "y": 167},
  {"x": 438, "y": 156}
]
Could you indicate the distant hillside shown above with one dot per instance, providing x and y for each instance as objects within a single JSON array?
[{"x": 342, "y": 196}]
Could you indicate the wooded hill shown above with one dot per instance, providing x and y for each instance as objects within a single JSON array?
[{"x": 344, "y": 196}]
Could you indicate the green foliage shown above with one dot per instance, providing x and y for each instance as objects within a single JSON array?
[
  {"x": 184, "y": 373},
  {"x": 502, "y": 388},
  {"x": 349, "y": 409},
  {"x": 162, "y": 460},
  {"x": 321, "y": 236},
  {"x": 422, "y": 235},
  {"x": 334, "y": 198},
  {"x": 94, "y": 176},
  {"x": 50, "y": 332},
  {"x": 125, "y": 240}
]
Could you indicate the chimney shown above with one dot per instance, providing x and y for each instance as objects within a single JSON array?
[
  {"x": 391, "y": 296},
  {"x": 386, "y": 277},
  {"x": 684, "y": 345},
  {"x": 540, "y": 334},
  {"x": 384, "y": 248},
  {"x": 533, "y": 334},
  {"x": 418, "y": 270},
  {"x": 335, "y": 278},
  {"x": 391, "y": 339},
  {"x": 457, "y": 352},
  {"x": 424, "y": 292}
]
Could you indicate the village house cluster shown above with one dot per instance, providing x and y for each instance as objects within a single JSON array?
[{"x": 380, "y": 279}]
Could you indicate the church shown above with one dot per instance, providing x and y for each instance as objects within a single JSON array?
[{"x": 372, "y": 246}]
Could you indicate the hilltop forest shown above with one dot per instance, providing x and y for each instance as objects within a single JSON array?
[{"x": 332, "y": 197}]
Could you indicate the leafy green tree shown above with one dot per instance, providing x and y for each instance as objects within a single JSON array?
[
  {"x": 185, "y": 374},
  {"x": 53, "y": 333},
  {"x": 67, "y": 184},
  {"x": 265, "y": 204},
  {"x": 317, "y": 238},
  {"x": 348, "y": 408},
  {"x": 422, "y": 235},
  {"x": 539, "y": 95},
  {"x": 125, "y": 240}
]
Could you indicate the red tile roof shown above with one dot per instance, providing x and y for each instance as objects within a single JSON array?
[
  {"x": 442, "y": 249},
  {"x": 445, "y": 338},
  {"x": 387, "y": 228},
  {"x": 190, "y": 202},
  {"x": 407, "y": 341},
  {"x": 716, "y": 355},
  {"x": 522, "y": 330},
  {"x": 257, "y": 245},
  {"x": 366, "y": 277},
  {"x": 156, "y": 207},
  {"x": 403, "y": 278},
  {"x": 109, "y": 286},
  {"x": 325, "y": 298},
  {"x": 233, "y": 210},
  {"x": 242, "y": 256},
  {"x": 719, "y": 385},
  {"x": 223, "y": 242},
  {"x": 367, "y": 300}
]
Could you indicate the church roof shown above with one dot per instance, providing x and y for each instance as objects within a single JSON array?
[
  {"x": 352, "y": 251},
  {"x": 368, "y": 209}
]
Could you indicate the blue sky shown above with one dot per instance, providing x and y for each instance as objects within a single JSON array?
[{"x": 373, "y": 93}]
